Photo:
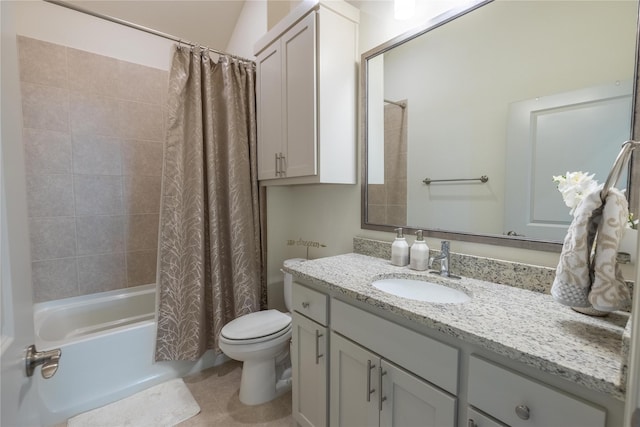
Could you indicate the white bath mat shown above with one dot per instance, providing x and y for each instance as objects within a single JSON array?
[{"x": 163, "y": 405}]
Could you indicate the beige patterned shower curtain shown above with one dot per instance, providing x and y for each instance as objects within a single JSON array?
[{"x": 210, "y": 260}]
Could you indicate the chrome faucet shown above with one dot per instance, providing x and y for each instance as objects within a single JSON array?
[{"x": 443, "y": 258}]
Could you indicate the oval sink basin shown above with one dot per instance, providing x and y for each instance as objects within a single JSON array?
[{"x": 421, "y": 291}]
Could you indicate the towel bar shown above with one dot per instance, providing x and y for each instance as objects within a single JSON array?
[
  {"x": 483, "y": 178},
  {"x": 618, "y": 164}
]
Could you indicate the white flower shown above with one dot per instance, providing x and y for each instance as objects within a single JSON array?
[{"x": 574, "y": 186}]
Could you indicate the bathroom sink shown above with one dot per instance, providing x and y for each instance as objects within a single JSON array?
[{"x": 420, "y": 290}]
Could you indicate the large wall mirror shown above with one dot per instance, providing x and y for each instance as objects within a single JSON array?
[{"x": 467, "y": 119}]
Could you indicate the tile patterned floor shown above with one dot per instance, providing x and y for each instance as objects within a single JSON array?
[{"x": 216, "y": 391}]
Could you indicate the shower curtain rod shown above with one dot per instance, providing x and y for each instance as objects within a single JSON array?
[{"x": 141, "y": 28}]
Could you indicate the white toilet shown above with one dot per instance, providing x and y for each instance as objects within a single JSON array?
[{"x": 261, "y": 341}]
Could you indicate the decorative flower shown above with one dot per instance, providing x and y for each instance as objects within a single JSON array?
[{"x": 574, "y": 186}]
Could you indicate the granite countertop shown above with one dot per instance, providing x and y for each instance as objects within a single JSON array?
[{"x": 522, "y": 325}]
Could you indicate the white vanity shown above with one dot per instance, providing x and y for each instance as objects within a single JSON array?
[{"x": 508, "y": 356}]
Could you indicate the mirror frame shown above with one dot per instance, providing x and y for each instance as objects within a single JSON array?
[{"x": 488, "y": 239}]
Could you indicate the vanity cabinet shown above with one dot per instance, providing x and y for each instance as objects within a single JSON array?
[
  {"x": 309, "y": 357},
  {"x": 367, "y": 390},
  {"x": 520, "y": 401},
  {"x": 306, "y": 96}
]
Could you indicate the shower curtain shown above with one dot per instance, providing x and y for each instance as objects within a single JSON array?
[{"x": 210, "y": 255}]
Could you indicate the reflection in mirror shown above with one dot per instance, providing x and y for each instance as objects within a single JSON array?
[{"x": 518, "y": 91}]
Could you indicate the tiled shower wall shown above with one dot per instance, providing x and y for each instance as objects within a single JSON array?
[
  {"x": 387, "y": 203},
  {"x": 93, "y": 132}
]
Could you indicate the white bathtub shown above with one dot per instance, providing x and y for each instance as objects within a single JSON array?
[{"x": 107, "y": 343}]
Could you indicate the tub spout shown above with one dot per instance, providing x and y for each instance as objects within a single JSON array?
[{"x": 48, "y": 359}]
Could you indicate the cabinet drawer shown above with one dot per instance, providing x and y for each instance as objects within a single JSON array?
[
  {"x": 478, "y": 419},
  {"x": 312, "y": 304},
  {"x": 499, "y": 392},
  {"x": 425, "y": 357}
]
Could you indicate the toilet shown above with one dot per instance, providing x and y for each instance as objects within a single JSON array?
[{"x": 261, "y": 341}]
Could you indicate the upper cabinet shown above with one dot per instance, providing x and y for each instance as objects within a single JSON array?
[{"x": 306, "y": 96}]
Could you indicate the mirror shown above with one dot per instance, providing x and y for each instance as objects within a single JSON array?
[{"x": 512, "y": 91}]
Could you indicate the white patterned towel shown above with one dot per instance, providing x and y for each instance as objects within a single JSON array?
[{"x": 588, "y": 276}]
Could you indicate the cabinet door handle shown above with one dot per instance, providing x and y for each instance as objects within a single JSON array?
[
  {"x": 305, "y": 305},
  {"x": 318, "y": 355},
  {"x": 522, "y": 411},
  {"x": 277, "y": 164},
  {"x": 381, "y": 398},
  {"x": 370, "y": 367},
  {"x": 471, "y": 423},
  {"x": 283, "y": 164}
]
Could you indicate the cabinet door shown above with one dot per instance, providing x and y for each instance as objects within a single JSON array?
[
  {"x": 309, "y": 363},
  {"x": 299, "y": 62},
  {"x": 409, "y": 401},
  {"x": 353, "y": 386},
  {"x": 269, "y": 110}
]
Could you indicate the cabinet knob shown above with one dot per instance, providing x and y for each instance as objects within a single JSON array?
[
  {"x": 305, "y": 305},
  {"x": 471, "y": 423},
  {"x": 522, "y": 411}
]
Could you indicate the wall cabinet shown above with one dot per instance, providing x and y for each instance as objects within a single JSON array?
[{"x": 306, "y": 96}]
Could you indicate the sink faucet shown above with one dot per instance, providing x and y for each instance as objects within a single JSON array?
[{"x": 443, "y": 258}]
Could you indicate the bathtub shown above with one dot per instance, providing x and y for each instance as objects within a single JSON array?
[{"x": 107, "y": 342}]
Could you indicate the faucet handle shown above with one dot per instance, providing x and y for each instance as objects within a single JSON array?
[{"x": 444, "y": 245}]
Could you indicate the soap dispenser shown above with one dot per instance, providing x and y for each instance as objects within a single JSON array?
[
  {"x": 399, "y": 250},
  {"x": 419, "y": 253}
]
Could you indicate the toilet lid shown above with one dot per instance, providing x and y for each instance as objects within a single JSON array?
[{"x": 256, "y": 325}]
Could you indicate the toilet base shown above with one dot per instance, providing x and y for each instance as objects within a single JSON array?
[{"x": 258, "y": 382}]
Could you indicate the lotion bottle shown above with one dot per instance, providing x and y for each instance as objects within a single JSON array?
[
  {"x": 400, "y": 250},
  {"x": 419, "y": 253}
]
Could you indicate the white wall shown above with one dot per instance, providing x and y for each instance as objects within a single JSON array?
[
  {"x": 251, "y": 25},
  {"x": 56, "y": 24}
]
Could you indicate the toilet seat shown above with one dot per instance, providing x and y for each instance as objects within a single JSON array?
[{"x": 256, "y": 327}]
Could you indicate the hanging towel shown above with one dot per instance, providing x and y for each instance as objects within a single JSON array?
[
  {"x": 609, "y": 291},
  {"x": 589, "y": 276}
]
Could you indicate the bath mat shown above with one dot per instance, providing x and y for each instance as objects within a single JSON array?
[{"x": 165, "y": 405}]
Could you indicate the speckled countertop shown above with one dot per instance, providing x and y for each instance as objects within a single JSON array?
[{"x": 520, "y": 324}]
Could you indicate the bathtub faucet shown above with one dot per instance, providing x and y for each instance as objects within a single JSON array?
[{"x": 48, "y": 359}]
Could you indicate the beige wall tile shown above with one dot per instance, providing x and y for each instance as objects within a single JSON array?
[
  {"x": 98, "y": 194},
  {"x": 140, "y": 83},
  {"x": 140, "y": 121},
  {"x": 54, "y": 279},
  {"x": 397, "y": 215},
  {"x": 45, "y": 107},
  {"x": 96, "y": 155},
  {"x": 142, "y": 232},
  {"x": 142, "y": 194},
  {"x": 46, "y": 151},
  {"x": 396, "y": 192},
  {"x": 141, "y": 268},
  {"x": 90, "y": 73},
  {"x": 50, "y": 195},
  {"x": 42, "y": 62},
  {"x": 376, "y": 194},
  {"x": 93, "y": 115},
  {"x": 100, "y": 273},
  {"x": 377, "y": 214},
  {"x": 141, "y": 158},
  {"x": 100, "y": 234},
  {"x": 52, "y": 238}
]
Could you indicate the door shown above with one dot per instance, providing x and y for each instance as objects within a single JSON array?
[
  {"x": 269, "y": 111},
  {"x": 19, "y": 402},
  {"x": 309, "y": 360},
  {"x": 299, "y": 51},
  {"x": 410, "y": 401},
  {"x": 354, "y": 385}
]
